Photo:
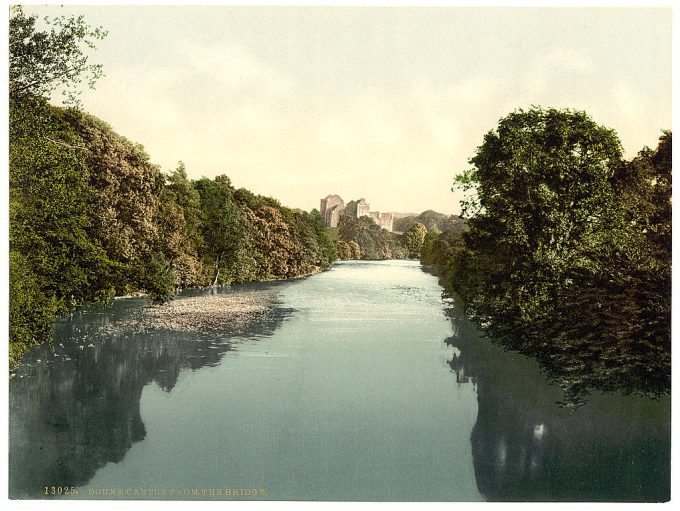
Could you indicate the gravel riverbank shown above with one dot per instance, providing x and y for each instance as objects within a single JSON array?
[{"x": 233, "y": 310}]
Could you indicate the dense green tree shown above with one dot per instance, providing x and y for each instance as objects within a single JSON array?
[
  {"x": 307, "y": 254},
  {"x": 125, "y": 199},
  {"x": 50, "y": 216},
  {"x": 187, "y": 198},
  {"x": 568, "y": 253},
  {"x": 179, "y": 228},
  {"x": 644, "y": 186},
  {"x": 31, "y": 309},
  {"x": 343, "y": 250},
  {"x": 347, "y": 250},
  {"x": 175, "y": 242},
  {"x": 414, "y": 239},
  {"x": 279, "y": 255},
  {"x": 431, "y": 219},
  {"x": 543, "y": 204},
  {"x": 222, "y": 225},
  {"x": 125, "y": 189},
  {"x": 373, "y": 241},
  {"x": 355, "y": 250},
  {"x": 427, "y": 252},
  {"x": 53, "y": 262},
  {"x": 325, "y": 245},
  {"x": 398, "y": 248}
]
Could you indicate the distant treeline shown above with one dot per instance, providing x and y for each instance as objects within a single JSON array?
[
  {"x": 568, "y": 253},
  {"x": 362, "y": 238},
  {"x": 91, "y": 217},
  {"x": 431, "y": 220}
]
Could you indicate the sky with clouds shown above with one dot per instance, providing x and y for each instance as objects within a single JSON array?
[{"x": 382, "y": 103}]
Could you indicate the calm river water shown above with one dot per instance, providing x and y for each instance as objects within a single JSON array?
[{"x": 362, "y": 383}]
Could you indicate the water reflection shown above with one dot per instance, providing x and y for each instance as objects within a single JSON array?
[
  {"x": 75, "y": 405},
  {"x": 525, "y": 447},
  {"x": 351, "y": 399}
]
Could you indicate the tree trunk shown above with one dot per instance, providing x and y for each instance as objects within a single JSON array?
[{"x": 217, "y": 270}]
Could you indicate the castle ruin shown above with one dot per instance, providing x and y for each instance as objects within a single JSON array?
[
  {"x": 332, "y": 206},
  {"x": 384, "y": 220}
]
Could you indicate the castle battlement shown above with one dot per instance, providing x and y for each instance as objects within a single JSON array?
[{"x": 332, "y": 206}]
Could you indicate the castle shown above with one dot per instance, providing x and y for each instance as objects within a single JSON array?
[{"x": 333, "y": 206}]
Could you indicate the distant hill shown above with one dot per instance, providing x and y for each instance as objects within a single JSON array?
[
  {"x": 402, "y": 215},
  {"x": 429, "y": 219}
]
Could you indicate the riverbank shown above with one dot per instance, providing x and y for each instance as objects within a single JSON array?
[
  {"x": 595, "y": 352},
  {"x": 232, "y": 308},
  {"x": 200, "y": 314}
]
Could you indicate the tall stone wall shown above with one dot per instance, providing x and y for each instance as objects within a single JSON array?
[
  {"x": 363, "y": 208},
  {"x": 332, "y": 206},
  {"x": 384, "y": 220}
]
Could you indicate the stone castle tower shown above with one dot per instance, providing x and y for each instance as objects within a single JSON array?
[
  {"x": 331, "y": 209},
  {"x": 332, "y": 206},
  {"x": 384, "y": 220}
]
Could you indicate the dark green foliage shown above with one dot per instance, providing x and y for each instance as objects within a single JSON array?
[
  {"x": 568, "y": 253},
  {"x": 184, "y": 220},
  {"x": 544, "y": 201},
  {"x": 373, "y": 241},
  {"x": 446, "y": 253},
  {"x": 431, "y": 219},
  {"x": 187, "y": 197},
  {"x": 249, "y": 237},
  {"x": 31, "y": 310},
  {"x": 427, "y": 252},
  {"x": 278, "y": 254},
  {"x": 347, "y": 250},
  {"x": 222, "y": 226},
  {"x": 56, "y": 265},
  {"x": 245, "y": 237},
  {"x": 644, "y": 187},
  {"x": 91, "y": 217},
  {"x": 156, "y": 278},
  {"x": 177, "y": 240},
  {"x": 124, "y": 197},
  {"x": 414, "y": 239},
  {"x": 50, "y": 217},
  {"x": 326, "y": 253},
  {"x": 398, "y": 247},
  {"x": 343, "y": 250},
  {"x": 362, "y": 238}
]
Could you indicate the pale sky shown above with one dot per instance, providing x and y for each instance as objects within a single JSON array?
[{"x": 382, "y": 103}]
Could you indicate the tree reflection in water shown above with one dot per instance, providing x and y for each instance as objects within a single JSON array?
[
  {"x": 526, "y": 447},
  {"x": 75, "y": 404}
]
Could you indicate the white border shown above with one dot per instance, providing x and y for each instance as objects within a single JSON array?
[{"x": 258, "y": 505}]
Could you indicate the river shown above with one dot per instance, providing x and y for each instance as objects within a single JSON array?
[{"x": 360, "y": 383}]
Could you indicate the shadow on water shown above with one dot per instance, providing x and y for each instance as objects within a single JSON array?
[
  {"x": 527, "y": 448},
  {"x": 75, "y": 404}
]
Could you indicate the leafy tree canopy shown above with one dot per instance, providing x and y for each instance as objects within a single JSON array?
[
  {"x": 431, "y": 219},
  {"x": 544, "y": 200},
  {"x": 414, "y": 239},
  {"x": 42, "y": 61},
  {"x": 568, "y": 256}
]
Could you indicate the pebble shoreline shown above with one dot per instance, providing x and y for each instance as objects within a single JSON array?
[{"x": 202, "y": 314}]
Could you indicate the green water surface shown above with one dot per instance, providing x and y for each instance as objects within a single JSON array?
[{"x": 360, "y": 383}]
